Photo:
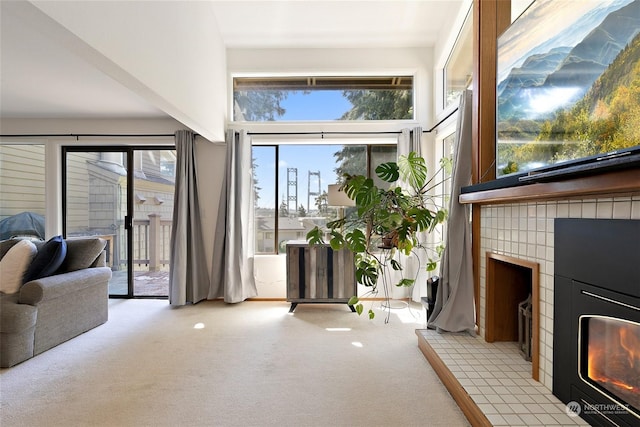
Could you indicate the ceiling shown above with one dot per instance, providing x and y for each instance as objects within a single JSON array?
[{"x": 42, "y": 79}]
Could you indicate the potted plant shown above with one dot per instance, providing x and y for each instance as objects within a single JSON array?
[{"x": 387, "y": 221}]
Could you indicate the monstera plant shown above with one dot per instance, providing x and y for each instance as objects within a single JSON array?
[{"x": 386, "y": 221}]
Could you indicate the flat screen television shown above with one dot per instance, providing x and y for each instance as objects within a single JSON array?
[{"x": 568, "y": 89}]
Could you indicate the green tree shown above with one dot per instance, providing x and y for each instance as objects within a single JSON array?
[
  {"x": 322, "y": 201},
  {"x": 258, "y": 105},
  {"x": 283, "y": 211},
  {"x": 370, "y": 105},
  {"x": 256, "y": 187},
  {"x": 352, "y": 160},
  {"x": 302, "y": 212},
  {"x": 379, "y": 105}
]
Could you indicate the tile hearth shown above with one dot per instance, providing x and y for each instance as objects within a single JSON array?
[{"x": 495, "y": 379}]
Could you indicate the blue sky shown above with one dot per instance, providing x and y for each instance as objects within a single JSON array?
[
  {"x": 313, "y": 158},
  {"x": 317, "y": 105},
  {"x": 314, "y": 106}
]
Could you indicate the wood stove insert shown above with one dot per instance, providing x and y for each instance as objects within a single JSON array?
[{"x": 596, "y": 342}]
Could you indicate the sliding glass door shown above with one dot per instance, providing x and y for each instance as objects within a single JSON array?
[{"x": 125, "y": 196}]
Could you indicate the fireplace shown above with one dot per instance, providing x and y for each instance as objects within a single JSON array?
[{"x": 596, "y": 342}]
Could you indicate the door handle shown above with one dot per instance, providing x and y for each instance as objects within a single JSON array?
[{"x": 128, "y": 222}]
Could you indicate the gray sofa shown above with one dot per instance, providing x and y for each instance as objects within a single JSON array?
[{"x": 50, "y": 310}]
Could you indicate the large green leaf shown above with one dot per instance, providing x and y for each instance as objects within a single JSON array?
[
  {"x": 388, "y": 172},
  {"x": 337, "y": 240},
  {"x": 353, "y": 184},
  {"x": 413, "y": 170},
  {"x": 396, "y": 265},
  {"x": 422, "y": 217},
  {"x": 405, "y": 283},
  {"x": 314, "y": 236},
  {"x": 367, "y": 193},
  {"x": 356, "y": 240},
  {"x": 367, "y": 274}
]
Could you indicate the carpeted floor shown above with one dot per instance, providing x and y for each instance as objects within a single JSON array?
[{"x": 248, "y": 364}]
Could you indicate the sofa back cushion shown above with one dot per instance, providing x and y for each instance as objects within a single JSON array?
[
  {"x": 48, "y": 259},
  {"x": 14, "y": 265},
  {"x": 81, "y": 253}
]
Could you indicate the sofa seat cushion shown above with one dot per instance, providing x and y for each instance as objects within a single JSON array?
[
  {"x": 14, "y": 265},
  {"x": 16, "y": 318},
  {"x": 48, "y": 259},
  {"x": 81, "y": 253}
]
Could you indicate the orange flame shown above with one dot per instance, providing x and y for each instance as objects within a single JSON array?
[{"x": 625, "y": 344}]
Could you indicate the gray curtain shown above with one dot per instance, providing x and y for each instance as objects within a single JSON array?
[
  {"x": 414, "y": 266},
  {"x": 454, "y": 309},
  {"x": 188, "y": 275},
  {"x": 233, "y": 251}
]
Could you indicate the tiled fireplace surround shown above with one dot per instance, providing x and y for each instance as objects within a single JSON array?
[
  {"x": 508, "y": 395},
  {"x": 525, "y": 231}
]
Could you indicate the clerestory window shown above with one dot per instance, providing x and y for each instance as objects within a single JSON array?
[{"x": 323, "y": 98}]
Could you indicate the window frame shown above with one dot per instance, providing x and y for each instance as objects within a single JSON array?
[
  {"x": 337, "y": 76},
  {"x": 276, "y": 146}
]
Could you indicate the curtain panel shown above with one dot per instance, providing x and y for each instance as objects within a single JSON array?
[
  {"x": 188, "y": 275},
  {"x": 232, "y": 273},
  {"x": 454, "y": 310}
]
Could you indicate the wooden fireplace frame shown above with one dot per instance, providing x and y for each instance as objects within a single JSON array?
[{"x": 495, "y": 312}]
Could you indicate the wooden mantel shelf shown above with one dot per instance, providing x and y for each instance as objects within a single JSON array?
[{"x": 615, "y": 182}]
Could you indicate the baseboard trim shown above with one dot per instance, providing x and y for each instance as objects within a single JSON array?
[{"x": 469, "y": 408}]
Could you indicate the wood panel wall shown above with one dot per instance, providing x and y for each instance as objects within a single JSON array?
[{"x": 490, "y": 19}]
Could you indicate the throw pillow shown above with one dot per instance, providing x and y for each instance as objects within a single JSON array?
[
  {"x": 5, "y": 245},
  {"x": 81, "y": 253},
  {"x": 48, "y": 259},
  {"x": 14, "y": 264}
]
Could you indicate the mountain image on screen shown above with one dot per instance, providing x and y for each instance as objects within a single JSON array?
[{"x": 571, "y": 95}]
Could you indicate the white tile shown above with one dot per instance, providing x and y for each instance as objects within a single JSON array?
[
  {"x": 504, "y": 408},
  {"x": 529, "y": 419},
  {"x": 513, "y": 420},
  {"x": 487, "y": 408},
  {"x": 562, "y": 210},
  {"x": 575, "y": 210},
  {"x": 510, "y": 398},
  {"x": 589, "y": 210},
  {"x": 547, "y": 419},
  {"x": 479, "y": 398},
  {"x": 524, "y": 398},
  {"x": 494, "y": 398},
  {"x": 605, "y": 210},
  {"x": 622, "y": 209},
  {"x": 635, "y": 209}
]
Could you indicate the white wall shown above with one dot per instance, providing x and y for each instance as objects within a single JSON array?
[{"x": 169, "y": 53}]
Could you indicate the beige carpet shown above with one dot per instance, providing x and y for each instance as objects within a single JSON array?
[{"x": 249, "y": 364}]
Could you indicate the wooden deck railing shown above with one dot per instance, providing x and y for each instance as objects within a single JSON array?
[{"x": 151, "y": 238}]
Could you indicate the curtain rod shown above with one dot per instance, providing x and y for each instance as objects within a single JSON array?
[
  {"x": 322, "y": 133},
  {"x": 441, "y": 121},
  {"x": 328, "y": 133},
  {"x": 162, "y": 135},
  {"x": 85, "y": 135}
]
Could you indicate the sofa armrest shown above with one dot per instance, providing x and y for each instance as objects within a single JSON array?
[{"x": 51, "y": 287}]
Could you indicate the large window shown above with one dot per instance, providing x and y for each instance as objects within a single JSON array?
[
  {"x": 261, "y": 99},
  {"x": 291, "y": 183},
  {"x": 22, "y": 190},
  {"x": 458, "y": 71}
]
